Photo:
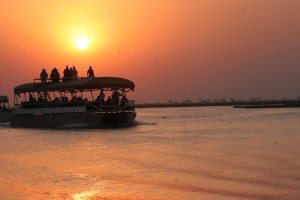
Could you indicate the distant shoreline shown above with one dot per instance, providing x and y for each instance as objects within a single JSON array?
[{"x": 239, "y": 104}]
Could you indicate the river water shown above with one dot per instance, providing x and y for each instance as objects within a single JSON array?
[{"x": 171, "y": 154}]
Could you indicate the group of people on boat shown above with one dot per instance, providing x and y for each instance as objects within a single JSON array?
[
  {"x": 68, "y": 74},
  {"x": 113, "y": 100},
  {"x": 42, "y": 97}
]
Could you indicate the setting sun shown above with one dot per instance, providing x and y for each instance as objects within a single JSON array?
[{"x": 82, "y": 43}]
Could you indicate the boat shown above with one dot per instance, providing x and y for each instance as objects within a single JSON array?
[
  {"x": 4, "y": 109},
  {"x": 72, "y": 104}
]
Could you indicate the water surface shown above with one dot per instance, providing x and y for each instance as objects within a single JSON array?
[{"x": 172, "y": 154}]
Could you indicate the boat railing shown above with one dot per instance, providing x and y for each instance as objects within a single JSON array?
[
  {"x": 128, "y": 104},
  {"x": 107, "y": 107},
  {"x": 89, "y": 105},
  {"x": 50, "y": 104},
  {"x": 56, "y": 80}
]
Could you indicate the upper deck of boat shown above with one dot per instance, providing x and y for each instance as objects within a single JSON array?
[{"x": 78, "y": 84}]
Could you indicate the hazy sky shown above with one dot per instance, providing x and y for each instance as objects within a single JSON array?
[{"x": 171, "y": 49}]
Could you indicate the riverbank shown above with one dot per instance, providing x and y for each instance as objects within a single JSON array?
[{"x": 238, "y": 104}]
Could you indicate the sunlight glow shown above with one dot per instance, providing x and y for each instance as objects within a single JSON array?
[
  {"x": 83, "y": 196},
  {"x": 81, "y": 34},
  {"x": 82, "y": 43}
]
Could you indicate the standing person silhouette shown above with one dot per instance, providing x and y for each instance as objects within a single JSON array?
[
  {"x": 54, "y": 76},
  {"x": 74, "y": 73},
  {"x": 44, "y": 76},
  {"x": 67, "y": 74},
  {"x": 90, "y": 72}
]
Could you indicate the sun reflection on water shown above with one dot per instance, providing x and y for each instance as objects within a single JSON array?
[{"x": 84, "y": 195}]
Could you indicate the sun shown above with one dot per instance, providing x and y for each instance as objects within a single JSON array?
[{"x": 82, "y": 43}]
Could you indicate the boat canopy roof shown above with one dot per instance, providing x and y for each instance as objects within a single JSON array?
[
  {"x": 3, "y": 99},
  {"x": 77, "y": 84}
]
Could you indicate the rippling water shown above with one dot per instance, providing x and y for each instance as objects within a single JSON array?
[{"x": 173, "y": 153}]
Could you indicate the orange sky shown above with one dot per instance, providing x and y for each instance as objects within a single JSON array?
[{"x": 171, "y": 49}]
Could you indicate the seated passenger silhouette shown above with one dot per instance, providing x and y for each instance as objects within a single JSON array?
[
  {"x": 124, "y": 100},
  {"x": 31, "y": 98},
  {"x": 90, "y": 72}
]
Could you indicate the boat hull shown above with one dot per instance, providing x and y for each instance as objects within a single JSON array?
[
  {"x": 5, "y": 116},
  {"x": 75, "y": 120}
]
